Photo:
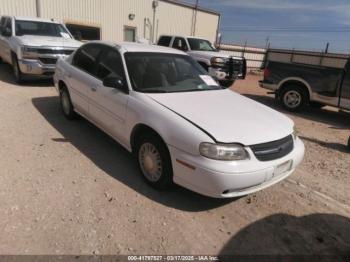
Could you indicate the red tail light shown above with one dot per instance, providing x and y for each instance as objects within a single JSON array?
[{"x": 266, "y": 73}]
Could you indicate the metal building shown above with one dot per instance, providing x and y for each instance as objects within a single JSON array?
[{"x": 120, "y": 20}]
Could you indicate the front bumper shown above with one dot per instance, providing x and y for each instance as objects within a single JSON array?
[
  {"x": 220, "y": 74},
  {"x": 35, "y": 67},
  {"x": 220, "y": 179}
]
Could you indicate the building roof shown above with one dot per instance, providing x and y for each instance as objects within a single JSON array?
[{"x": 192, "y": 6}]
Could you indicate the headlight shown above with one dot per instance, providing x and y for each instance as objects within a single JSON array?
[
  {"x": 217, "y": 61},
  {"x": 229, "y": 152},
  {"x": 28, "y": 52}
]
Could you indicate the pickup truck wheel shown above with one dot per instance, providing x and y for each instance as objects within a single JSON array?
[
  {"x": 66, "y": 105},
  {"x": 227, "y": 83},
  {"x": 16, "y": 70},
  {"x": 294, "y": 98},
  {"x": 154, "y": 161}
]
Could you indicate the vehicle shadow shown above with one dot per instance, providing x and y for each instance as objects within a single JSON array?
[
  {"x": 335, "y": 146},
  {"x": 283, "y": 235},
  {"x": 6, "y": 75},
  {"x": 337, "y": 120},
  {"x": 113, "y": 159}
]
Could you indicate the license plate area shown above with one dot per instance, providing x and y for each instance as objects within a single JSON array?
[{"x": 283, "y": 168}]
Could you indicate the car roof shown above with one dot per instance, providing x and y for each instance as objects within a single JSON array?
[
  {"x": 188, "y": 37},
  {"x": 139, "y": 47},
  {"x": 34, "y": 19}
]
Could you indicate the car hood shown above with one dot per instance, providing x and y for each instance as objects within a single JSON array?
[
  {"x": 228, "y": 116},
  {"x": 45, "y": 41},
  {"x": 208, "y": 54}
]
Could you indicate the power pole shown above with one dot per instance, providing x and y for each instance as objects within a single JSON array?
[{"x": 195, "y": 18}]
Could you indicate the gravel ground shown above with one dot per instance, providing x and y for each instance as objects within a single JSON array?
[{"x": 67, "y": 188}]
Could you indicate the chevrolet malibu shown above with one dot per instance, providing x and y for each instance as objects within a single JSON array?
[{"x": 180, "y": 124}]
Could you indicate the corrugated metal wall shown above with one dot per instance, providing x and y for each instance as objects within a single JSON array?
[
  {"x": 113, "y": 15},
  {"x": 18, "y": 7}
]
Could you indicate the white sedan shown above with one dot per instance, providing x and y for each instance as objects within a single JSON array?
[{"x": 180, "y": 124}]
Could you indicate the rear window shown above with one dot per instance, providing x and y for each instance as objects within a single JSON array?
[{"x": 164, "y": 40}]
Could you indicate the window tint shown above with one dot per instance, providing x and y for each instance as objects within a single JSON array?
[
  {"x": 110, "y": 64},
  {"x": 86, "y": 58},
  {"x": 164, "y": 41},
  {"x": 8, "y": 24},
  {"x": 180, "y": 43}
]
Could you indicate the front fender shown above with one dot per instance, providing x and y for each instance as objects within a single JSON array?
[{"x": 174, "y": 130}]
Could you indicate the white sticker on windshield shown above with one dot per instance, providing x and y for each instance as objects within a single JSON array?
[
  {"x": 208, "y": 80},
  {"x": 65, "y": 35}
]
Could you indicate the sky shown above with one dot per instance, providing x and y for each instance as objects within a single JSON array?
[{"x": 299, "y": 24}]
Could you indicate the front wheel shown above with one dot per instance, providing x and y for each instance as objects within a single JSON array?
[
  {"x": 226, "y": 83},
  {"x": 154, "y": 161},
  {"x": 16, "y": 70},
  {"x": 294, "y": 98}
]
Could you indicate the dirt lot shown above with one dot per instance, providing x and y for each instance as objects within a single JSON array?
[{"x": 67, "y": 188}]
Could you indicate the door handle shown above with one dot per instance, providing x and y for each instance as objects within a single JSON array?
[{"x": 93, "y": 89}]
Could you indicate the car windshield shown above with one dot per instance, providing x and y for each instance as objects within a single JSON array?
[
  {"x": 200, "y": 45},
  {"x": 40, "y": 29},
  {"x": 167, "y": 73}
]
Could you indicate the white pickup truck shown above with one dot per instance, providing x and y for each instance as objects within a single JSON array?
[
  {"x": 32, "y": 46},
  {"x": 221, "y": 66}
]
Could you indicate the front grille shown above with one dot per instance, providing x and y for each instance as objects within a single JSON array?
[
  {"x": 273, "y": 150},
  {"x": 55, "y": 51},
  {"x": 48, "y": 61},
  {"x": 233, "y": 66}
]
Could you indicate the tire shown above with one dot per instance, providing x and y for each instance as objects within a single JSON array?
[
  {"x": 316, "y": 105},
  {"x": 151, "y": 152},
  {"x": 227, "y": 83},
  {"x": 294, "y": 98},
  {"x": 16, "y": 70},
  {"x": 349, "y": 143},
  {"x": 66, "y": 105}
]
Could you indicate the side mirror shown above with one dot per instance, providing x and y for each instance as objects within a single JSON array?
[
  {"x": 115, "y": 82},
  {"x": 6, "y": 32}
]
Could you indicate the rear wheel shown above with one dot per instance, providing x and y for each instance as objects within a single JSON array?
[
  {"x": 154, "y": 161},
  {"x": 294, "y": 98},
  {"x": 66, "y": 104},
  {"x": 16, "y": 70}
]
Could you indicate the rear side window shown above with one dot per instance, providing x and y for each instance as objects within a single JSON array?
[
  {"x": 164, "y": 41},
  {"x": 86, "y": 57},
  {"x": 110, "y": 65}
]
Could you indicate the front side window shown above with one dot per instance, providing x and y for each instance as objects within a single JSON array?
[
  {"x": 85, "y": 58},
  {"x": 200, "y": 45},
  {"x": 167, "y": 73},
  {"x": 40, "y": 29},
  {"x": 110, "y": 65}
]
